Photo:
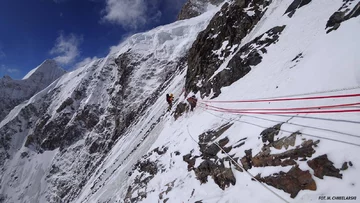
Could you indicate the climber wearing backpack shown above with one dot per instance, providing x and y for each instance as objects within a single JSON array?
[
  {"x": 192, "y": 101},
  {"x": 169, "y": 99}
]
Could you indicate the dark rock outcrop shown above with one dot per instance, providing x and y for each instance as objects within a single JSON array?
[
  {"x": 222, "y": 176},
  {"x": 285, "y": 141},
  {"x": 221, "y": 38},
  {"x": 169, "y": 186},
  {"x": 211, "y": 151},
  {"x": 268, "y": 134},
  {"x": 193, "y": 8},
  {"x": 246, "y": 160},
  {"x": 344, "y": 166},
  {"x": 212, "y": 165},
  {"x": 147, "y": 170},
  {"x": 68, "y": 102},
  {"x": 264, "y": 158},
  {"x": 161, "y": 151},
  {"x": 147, "y": 166},
  {"x": 211, "y": 135},
  {"x": 343, "y": 14},
  {"x": 181, "y": 108},
  {"x": 296, "y": 4},
  {"x": 291, "y": 182},
  {"x": 49, "y": 135},
  {"x": 240, "y": 64},
  {"x": 190, "y": 160},
  {"x": 322, "y": 166}
]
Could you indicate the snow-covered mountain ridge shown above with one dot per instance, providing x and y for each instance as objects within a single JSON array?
[
  {"x": 86, "y": 111},
  {"x": 13, "y": 92},
  {"x": 102, "y": 134}
]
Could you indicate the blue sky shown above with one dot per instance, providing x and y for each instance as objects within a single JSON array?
[{"x": 71, "y": 31}]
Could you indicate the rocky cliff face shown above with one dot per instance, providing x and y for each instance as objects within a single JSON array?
[
  {"x": 13, "y": 92},
  {"x": 71, "y": 125},
  {"x": 76, "y": 120},
  {"x": 193, "y": 8},
  {"x": 220, "y": 40}
]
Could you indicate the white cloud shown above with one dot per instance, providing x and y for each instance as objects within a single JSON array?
[
  {"x": 12, "y": 70},
  {"x": 136, "y": 13},
  {"x": 128, "y": 13},
  {"x": 85, "y": 62},
  {"x": 116, "y": 48},
  {"x": 4, "y": 70},
  {"x": 67, "y": 48}
]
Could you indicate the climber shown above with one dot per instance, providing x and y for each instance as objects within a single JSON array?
[
  {"x": 192, "y": 101},
  {"x": 169, "y": 99}
]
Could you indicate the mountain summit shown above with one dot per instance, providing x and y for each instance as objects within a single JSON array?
[
  {"x": 13, "y": 92},
  {"x": 47, "y": 71}
]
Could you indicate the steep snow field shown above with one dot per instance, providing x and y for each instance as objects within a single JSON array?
[
  {"x": 329, "y": 62},
  {"x": 305, "y": 61},
  {"x": 30, "y": 176}
]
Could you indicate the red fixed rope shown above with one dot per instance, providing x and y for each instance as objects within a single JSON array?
[
  {"x": 288, "y": 109},
  {"x": 286, "y": 112},
  {"x": 284, "y": 99},
  {"x": 283, "y": 112}
]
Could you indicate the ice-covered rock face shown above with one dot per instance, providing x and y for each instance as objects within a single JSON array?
[
  {"x": 220, "y": 40},
  {"x": 66, "y": 130},
  {"x": 193, "y": 8},
  {"x": 13, "y": 92}
]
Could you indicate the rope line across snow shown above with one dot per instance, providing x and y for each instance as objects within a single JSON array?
[
  {"x": 239, "y": 165},
  {"x": 288, "y": 97},
  {"x": 305, "y": 134}
]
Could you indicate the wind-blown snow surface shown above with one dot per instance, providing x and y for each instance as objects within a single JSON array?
[{"x": 329, "y": 62}]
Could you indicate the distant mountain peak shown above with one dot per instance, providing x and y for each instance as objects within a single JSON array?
[
  {"x": 16, "y": 91},
  {"x": 48, "y": 66},
  {"x": 6, "y": 77}
]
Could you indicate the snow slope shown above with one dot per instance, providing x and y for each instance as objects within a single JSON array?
[
  {"x": 329, "y": 62},
  {"x": 53, "y": 143},
  {"x": 102, "y": 134}
]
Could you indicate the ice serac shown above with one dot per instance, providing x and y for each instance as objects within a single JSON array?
[{"x": 13, "y": 92}]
